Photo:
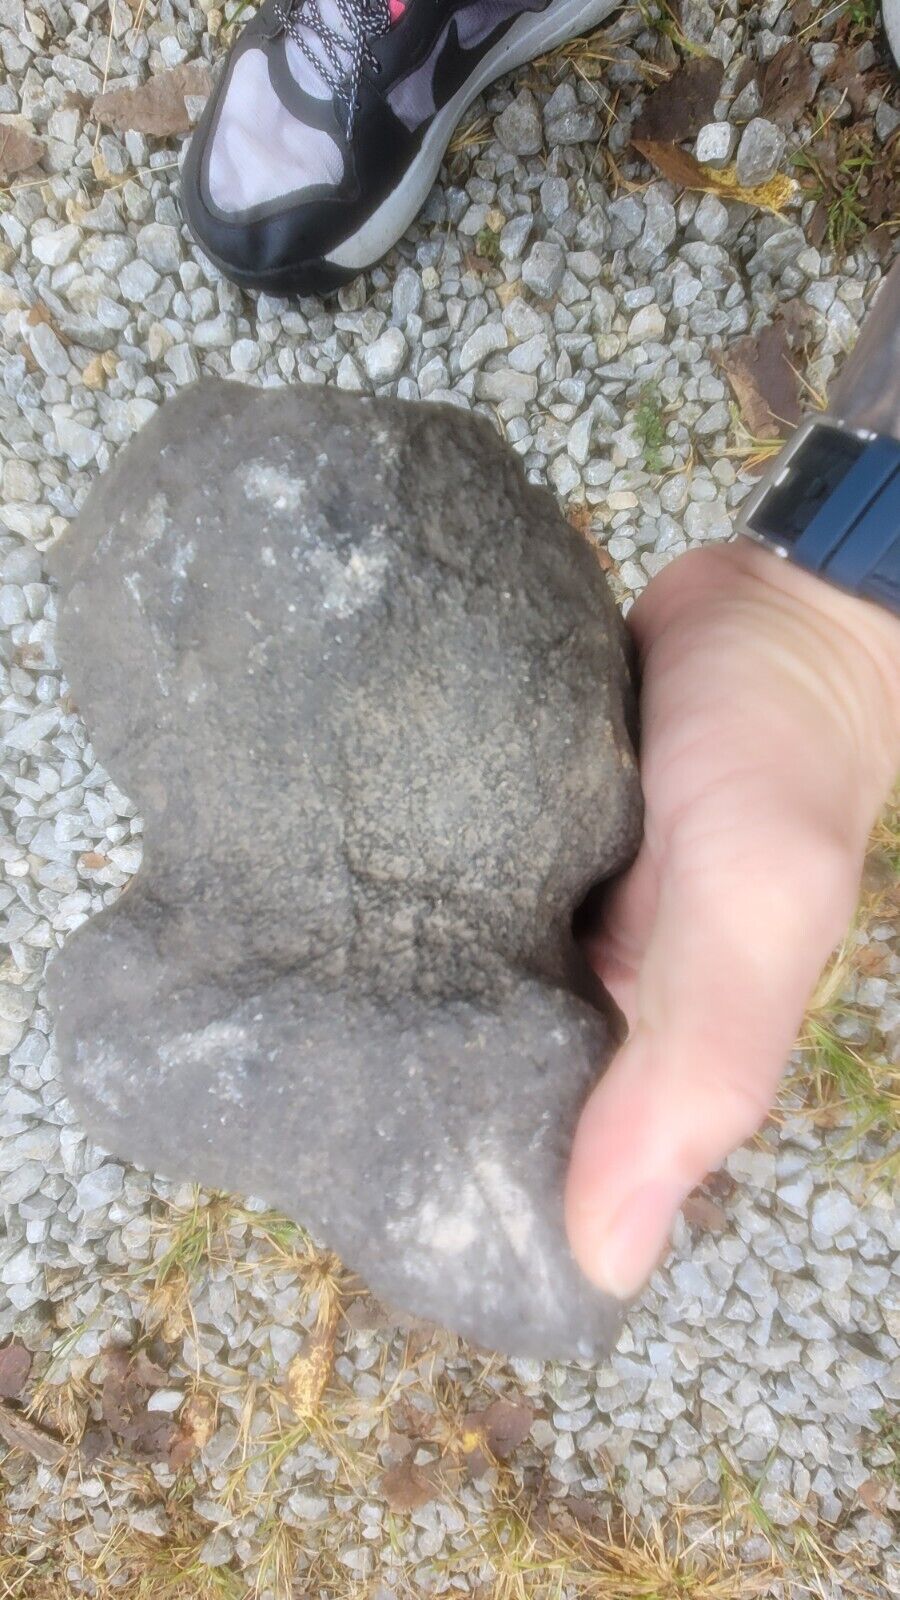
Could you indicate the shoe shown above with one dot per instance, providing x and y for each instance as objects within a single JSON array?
[{"x": 330, "y": 121}]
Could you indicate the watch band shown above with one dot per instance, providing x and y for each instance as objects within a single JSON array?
[
  {"x": 833, "y": 507},
  {"x": 831, "y": 501}
]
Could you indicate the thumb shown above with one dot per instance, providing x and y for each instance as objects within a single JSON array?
[{"x": 740, "y": 934}]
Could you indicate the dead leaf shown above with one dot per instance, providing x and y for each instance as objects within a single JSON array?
[
  {"x": 787, "y": 83},
  {"x": 679, "y": 108},
  {"x": 845, "y": 75},
  {"x": 872, "y": 1494},
  {"x": 493, "y": 1434},
  {"x": 701, "y": 1212},
  {"x": 414, "y": 1419},
  {"x": 686, "y": 172},
  {"x": 765, "y": 384},
  {"x": 19, "y": 150},
  {"x": 580, "y": 516},
  {"x": 196, "y": 1425},
  {"x": 21, "y": 1433},
  {"x": 15, "y": 1365},
  {"x": 96, "y": 1443},
  {"x": 407, "y": 1487},
  {"x": 166, "y": 104},
  {"x": 308, "y": 1374},
  {"x": 128, "y": 1379},
  {"x": 720, "y": 1185}
]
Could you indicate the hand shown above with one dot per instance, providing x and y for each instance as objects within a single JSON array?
[{"x": 770, "y": 737}]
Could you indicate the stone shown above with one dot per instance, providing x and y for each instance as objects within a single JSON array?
[
  {"x": 370, "y": 694},
  {"x": 160, "y": 244},
  {"x": 544, "y": 268},
  {"x": 519, "y": 127},
  {"x": 759, "y": 153},
  {"x": 55, "y": 248},
  {"x": 488, "y": 338},
  {"x": 385, "y": 357},
  {"x": 715, "y": 144},
  {"x": 647, "y": 324},
  {"x": 98, "y": 1188}
]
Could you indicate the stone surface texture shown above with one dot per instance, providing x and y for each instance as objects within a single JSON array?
[{"x": 345, "y": 978}]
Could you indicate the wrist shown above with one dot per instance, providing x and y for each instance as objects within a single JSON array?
[{"x": 855, "y": 643}]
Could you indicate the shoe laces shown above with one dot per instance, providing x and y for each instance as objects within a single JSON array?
[{"x": 337, "y": 55}]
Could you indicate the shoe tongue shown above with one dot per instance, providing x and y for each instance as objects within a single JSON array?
[{"x": 304, "y": 73}]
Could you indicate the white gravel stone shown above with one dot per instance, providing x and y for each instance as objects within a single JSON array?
[
  {"x": 487, "y": 339},
  {"x": 646, "y": 324},
  {"x": 55, "y": 248},
  {"x": 48, "y": 350},
  {"x": 160, "y": 244},
  {"x": 715, "y": 144},
  {"x": 759, "y": 153},
  {"x": 100, "y": 1187},
  {"x": 544, "y": 268},
  {"x": 519, "y": 127},
  {"x": 78, "y": 444},
  {"x": 385, "y": 357}
]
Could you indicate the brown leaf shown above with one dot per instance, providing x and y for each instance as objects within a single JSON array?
[
  {"x": 308, "y": 1374},
  {"x": 196, "y": 1425},
  {"x": 146, "y": 1373},
  {"x": 872, "y": 1494},
  {"x": 414, "y": 1419},
  {"x": 686, "y": 172},
  {"x": 15, "y": 1365},
  {"x": 680, "y": 106},
  {"x": 788, "y": 83},
  {"x": 128, "y": 1377},
  {"x": 765, "y": 385},
  {"x": 493, "y": 1434},
  {"x": 96, "y": 1443},
  {"x": 407, "y": 1487},
  {"x": 720, "y": 1185},
  {"x": 844, "y": 73},
  {"x": 21, "y": 1433},
  {"x": 19, "y": 151},
  {"x": 701, "y": 1212},
  {"x": 158, "y": 107}
]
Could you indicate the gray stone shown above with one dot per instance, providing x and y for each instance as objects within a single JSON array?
[
  {"x": 544, "y": 268},
  {"x": 579, "y": 125},
  {"x": 370, "y": 693},
  {"x": 715, "y": 144},
  {"x": 160, "y": 244},
  {"x": 759, "y": 153},
  {"x": 746, "y": 104},
  {"x": 385, "y": 358},
  {"x": 100, "y": 1187},
  {"x": 519, "y": 127},
  {"x": 488, "y": 338}
]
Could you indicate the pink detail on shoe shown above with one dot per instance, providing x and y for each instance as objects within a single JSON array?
[{"x": 397, "y": 8}]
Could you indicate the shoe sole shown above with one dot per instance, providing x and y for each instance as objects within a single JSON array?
[{"x": 532, "y": 35}]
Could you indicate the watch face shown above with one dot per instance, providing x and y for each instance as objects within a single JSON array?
[{"x": 811, "y": 474}]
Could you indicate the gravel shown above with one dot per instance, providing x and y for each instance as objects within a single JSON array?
[
  {"x": 759, "y": 153},
  {"x": 715, "y": 144},
  {"x": 773, "y": 1343}
]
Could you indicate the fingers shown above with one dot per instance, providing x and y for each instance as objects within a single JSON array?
[{"x": 740, "y": 934}]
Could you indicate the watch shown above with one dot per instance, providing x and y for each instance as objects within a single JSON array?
[{"x": 831, "y": 500}]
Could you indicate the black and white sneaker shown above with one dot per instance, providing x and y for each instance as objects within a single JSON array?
[{"x": 330, "y": 122}]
